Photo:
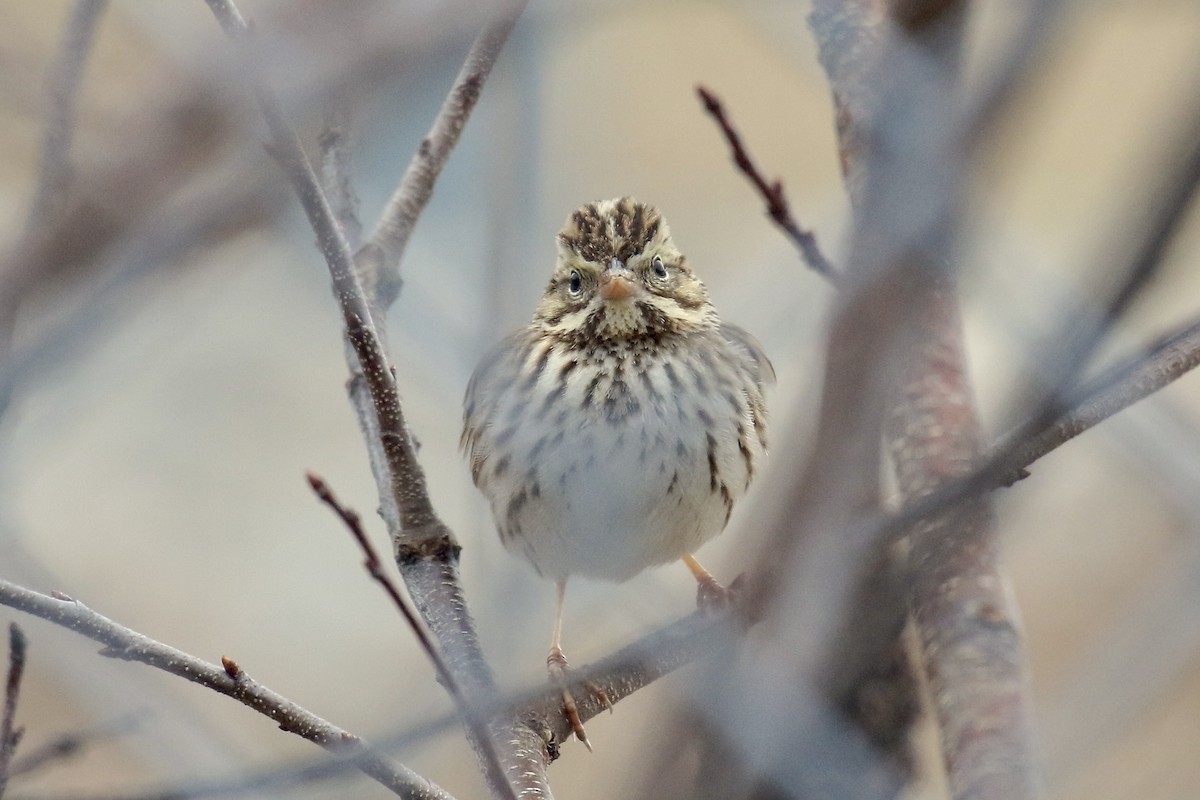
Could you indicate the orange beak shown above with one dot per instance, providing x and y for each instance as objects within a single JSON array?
[{"x": 615, "y": 287}]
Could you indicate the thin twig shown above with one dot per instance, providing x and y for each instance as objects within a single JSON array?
[
  {"x": 72, "y": 744},
  {"x": 381, "y": 255},
  {"x": 10, "y": 734},
  {"x": 228, "y": 679},
  {"x": 56, "y": 171},
  {"x": 1172, "y": 357},
  {"x": 375, "y": 569},
  {"x": 420, "y": 537},
  {"x": 772, "y": 191}
]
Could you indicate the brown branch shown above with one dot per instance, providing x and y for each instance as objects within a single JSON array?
[
  {"x": 957, "y": 592},
  {"x": 10, "y": 734},
  {"x": 228, "y": 679},
  {"x": 56, "y": 170},
  {"x": 426, "y": 550},
  {"x": 375, "y": 569},
  {"x": 772, "y": 191},
  {"x": 380, "y": 257}
]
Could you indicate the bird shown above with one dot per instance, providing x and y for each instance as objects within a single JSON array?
[{"x": 618, "y": 429}]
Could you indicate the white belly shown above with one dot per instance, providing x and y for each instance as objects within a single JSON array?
[{"x": 628, "y": 486}]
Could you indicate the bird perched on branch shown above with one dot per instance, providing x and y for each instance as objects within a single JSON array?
[{"x": 617, "y": 430}]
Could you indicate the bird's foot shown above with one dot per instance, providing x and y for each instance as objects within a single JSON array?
[
  {"x": 713, "y": 598},
  {"x": 556, "y": 665}
]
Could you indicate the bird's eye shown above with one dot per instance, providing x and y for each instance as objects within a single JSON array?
[
  {"x": 575, "y": 286},
  {"x": 660, "y": 269}
]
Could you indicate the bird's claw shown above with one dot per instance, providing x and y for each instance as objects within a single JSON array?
[
  {"x": 713, "y": 598},
  {"x": 556, "y": 665}
]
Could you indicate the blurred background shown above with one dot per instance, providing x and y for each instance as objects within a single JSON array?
[{"x": 152, "y": 457}]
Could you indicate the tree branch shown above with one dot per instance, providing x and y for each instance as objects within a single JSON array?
[
  {"x": 334, "y": 145},
  {"x": 379, "y": 259},
  {"x": 70, "y": 744},
  {"x": 56, "y": 171},
  {"x": 957, "y": 592},
  {"x": 772, "y": 192},
  {"x": 374, "y": 567},
  {"x": 426, "y": 550},
  {"x": 10, "y": 734},
  {"x": 229, "y": 679},
  {"x": 1172, "y": 357}
]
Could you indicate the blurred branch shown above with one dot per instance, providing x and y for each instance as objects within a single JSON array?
[
  {"x": 10, "y": 734},
  {"x": 772, "y": 192},
  {"x": 956, "y": 589},
  {"x": 426, "y": 550},
  {"x": 1172, "y": 357},
  {"x": 72, "y": 744},
  {"x": 229, "y": 679},
  {"x": 379, "y": 259},
  {"x": 334, "y": 145},
  {"x": 56, "y": 170}
]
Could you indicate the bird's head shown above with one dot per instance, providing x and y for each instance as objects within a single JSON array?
[{"x": 619, "y": 277}]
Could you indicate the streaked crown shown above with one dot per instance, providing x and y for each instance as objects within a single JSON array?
[{"x": 619, "y": 276}]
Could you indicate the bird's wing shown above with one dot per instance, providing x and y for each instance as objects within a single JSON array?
[
  {"x": 761, "y": 367},
  {"x": 496, "y": 370}
]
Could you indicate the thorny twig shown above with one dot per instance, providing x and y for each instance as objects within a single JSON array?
[{"x": 772, "y": 191}]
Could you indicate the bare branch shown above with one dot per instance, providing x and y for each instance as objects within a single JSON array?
[
  {"x": 426, "y": 550},
  {"x": 957, "y": 592},
  {"x": 10, "y": 734},
  {"x": 71, "y": 744},
  {"x": 375, "y": 568},
  {"x": 56, "y": 172},
  {"x": 1172, "y": 357},
  {"x": 229, "y": 679},
  {"x": 772, "y": 192},
  {"x": 380, "y": 257},
  {"x": 334, "y": 145}
]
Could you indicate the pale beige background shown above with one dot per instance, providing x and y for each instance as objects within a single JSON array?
[{"x": 158, "y": 476}]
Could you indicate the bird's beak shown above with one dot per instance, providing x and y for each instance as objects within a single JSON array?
[{"x": 616, "y": 282}]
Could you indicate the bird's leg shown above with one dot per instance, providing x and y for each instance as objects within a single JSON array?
[
  {"x": 710, "y": 595},
  {"x": 556, "y": 665}
]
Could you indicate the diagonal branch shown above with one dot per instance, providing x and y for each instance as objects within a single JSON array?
[
  {"x": 380, "y": 257},
  {"x": 772, "y": 193},
  {"x": 426, "y": 550},
  {"x": 1172, "y": 357},
  {"x": 375, "y": 568},
  {"x": 228, "y": 679}
]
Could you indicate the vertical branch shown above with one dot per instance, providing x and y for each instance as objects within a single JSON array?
[
  {"x": 10, "y": 734},
  {"x": 957, "y": 591},
  {"x": 55, "y": 174}
]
